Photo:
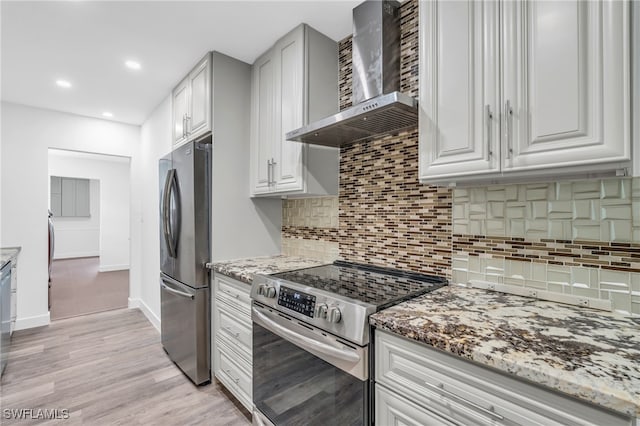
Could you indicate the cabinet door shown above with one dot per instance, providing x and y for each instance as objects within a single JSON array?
[
  {"x": 565, "y": 83},
  {"x": 290, "y": 110},
  {"x": 83, "y": 198},
  {"x": 199, "y": 114},
  {"x": 392, "y": 409},
  {"x": 263, "y": 122},
  {"x": 180, "y": 105},
  {"x": 458, "y": 100}
]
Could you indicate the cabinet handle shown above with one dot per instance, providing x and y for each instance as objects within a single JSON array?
[
  {"x": 489, "y": 121},
  {"x": 230, "y": 331},
  {"x": 268, "y": 172},
  {"x": 230, "y": 293},
  {"x": 273, "y": 171},
  {"x": 231, "y": 376},
  {"x": 508, "y": 111},
  {"x": 439, "y": 388},
  {"x": 184, "y": 125},
  {"x": 187, "y": 125}
]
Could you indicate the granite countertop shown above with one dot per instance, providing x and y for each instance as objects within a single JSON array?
[
  {"x": 7, "y": 254},
  {"x": 592, "y": 355},
  {"x": 244, "y": 269}
]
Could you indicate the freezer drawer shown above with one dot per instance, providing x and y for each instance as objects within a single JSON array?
[{"x": 185, "y": 327}]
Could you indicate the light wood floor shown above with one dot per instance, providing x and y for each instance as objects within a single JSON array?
[
  {"x": 79, "y": 288},
  {"x": 107, "y": 369}
]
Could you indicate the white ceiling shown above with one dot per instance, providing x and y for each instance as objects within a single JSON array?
[{"x": 87, "y": 43}]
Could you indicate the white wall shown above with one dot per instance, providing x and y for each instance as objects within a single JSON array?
[
  {"x": 113, "y": 174},
  {"x": 26, "y": 135},
  {"x": 78, "y": 236},
  {"x": 155, "y": 143}
]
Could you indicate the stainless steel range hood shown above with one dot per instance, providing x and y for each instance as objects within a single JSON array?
[{"x": 379, "y": 108}]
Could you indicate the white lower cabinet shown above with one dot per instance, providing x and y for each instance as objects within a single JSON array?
[
  {"x": 232, "y": 337},
  {"x": 419, "y": 385}
]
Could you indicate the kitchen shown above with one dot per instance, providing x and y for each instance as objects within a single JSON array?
[{"x": 564, "y": 234}]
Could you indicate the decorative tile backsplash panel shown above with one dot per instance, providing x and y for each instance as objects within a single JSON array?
[
  {"x": 594, "y": 210},
  {"x": 386, "y": 216},
  {"x": 310, "y": 228},
  {"x": 574, "y": 237}
]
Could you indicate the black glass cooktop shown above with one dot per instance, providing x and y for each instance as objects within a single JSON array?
[{"x": 381, "y": 287}]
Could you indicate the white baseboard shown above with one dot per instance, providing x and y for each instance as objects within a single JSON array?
[
  {"x": 139, "y": 304},
  {"x": 110, "y": 268},
  {"x": 72, "y": 255},
  {"x": 32, "y": 322}
]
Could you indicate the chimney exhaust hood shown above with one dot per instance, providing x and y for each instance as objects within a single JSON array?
[{"x": 379, "y": 108}]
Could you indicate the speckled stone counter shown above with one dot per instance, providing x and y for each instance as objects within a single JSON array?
[
  {"x": 592, "y": 355},
  {"x": 7, "y": 254},
  {"x": 244, "y": 269}
]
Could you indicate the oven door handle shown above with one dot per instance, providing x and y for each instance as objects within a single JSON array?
[{"x": 305, "y": 342}]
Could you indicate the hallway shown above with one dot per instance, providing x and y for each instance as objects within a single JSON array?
[{"x": 78, "y": 288}]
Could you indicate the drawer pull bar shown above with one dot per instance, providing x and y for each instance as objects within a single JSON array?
[
  {"x": 231, "y": 376},
  {"x": 439, "y": 388},
  {"x": 230, "y": 331},
  {"x": 232, "y": 294}
]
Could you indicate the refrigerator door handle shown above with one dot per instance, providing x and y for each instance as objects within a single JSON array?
[
  {"x": 166, "y": 205},
  {"x": 176, "y": 292},
  {"x": 175, "y": 231}
]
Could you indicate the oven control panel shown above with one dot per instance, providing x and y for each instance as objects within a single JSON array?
[{"x": 297, "y": 301}]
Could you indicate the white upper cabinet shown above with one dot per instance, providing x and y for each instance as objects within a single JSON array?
[
  {"x": 459, "y": 88},
  {"x": 262, "y": 122},
  {"x": 523, "y": 88},
  {"x": 180, "y": 108},
  {"x": 192, "y": 103},
  {"x": 293, "y": 83}
]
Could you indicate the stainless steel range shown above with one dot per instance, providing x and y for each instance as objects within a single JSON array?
[{"x": 311, "y": 338}]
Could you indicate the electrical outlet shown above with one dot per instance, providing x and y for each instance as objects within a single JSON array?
[
  {"x": 491, "y": 286},
  {"x": 583, "y": 302},
  {"x": 532, "y": 293}
]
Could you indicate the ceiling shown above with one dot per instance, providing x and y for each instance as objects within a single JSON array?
[{"x": 88, "y": 42}]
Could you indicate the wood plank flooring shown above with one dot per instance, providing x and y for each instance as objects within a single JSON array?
[
  {"x": 107, "y": 369},
  {"x": 79, "y": 288}
]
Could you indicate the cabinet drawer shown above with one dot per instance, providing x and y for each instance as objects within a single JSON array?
[
  {"x": 392, "y": 409},
  {"x": 234, "y": 374},
  {"x": 468, "y": 393},
  {"x": 234, "y": 292},
  {"x": 234, "y": 327}
]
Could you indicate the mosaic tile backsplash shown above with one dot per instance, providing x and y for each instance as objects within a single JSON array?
[{"x": 386, "y": 216}]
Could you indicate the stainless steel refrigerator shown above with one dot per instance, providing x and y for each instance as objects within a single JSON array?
[{"x": 185, "y": 206}]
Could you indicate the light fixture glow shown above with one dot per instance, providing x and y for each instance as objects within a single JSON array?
[
  {"x": 63, "y": 83},
  {"x": 107, "y": 114},
  {"x": 133, "y": 65}
]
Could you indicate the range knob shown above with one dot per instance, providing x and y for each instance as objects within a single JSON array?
[
  {"x": 334, "y": 314},
  {"x": 322, "y": 310},
  {"x": 261, "y": 290},
  {"x": 270, "y": 292}
]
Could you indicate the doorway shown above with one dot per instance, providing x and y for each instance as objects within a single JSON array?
[{"x": 90, "y": 204}]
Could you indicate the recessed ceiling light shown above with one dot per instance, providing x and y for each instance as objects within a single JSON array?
[
  {"x": 107, "y": 114},
  {"x": 133, "y": 65},
  {"x": 63, "y": 83}
]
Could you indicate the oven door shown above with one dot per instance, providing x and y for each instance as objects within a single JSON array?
[{"x": 302, "y": 375}]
